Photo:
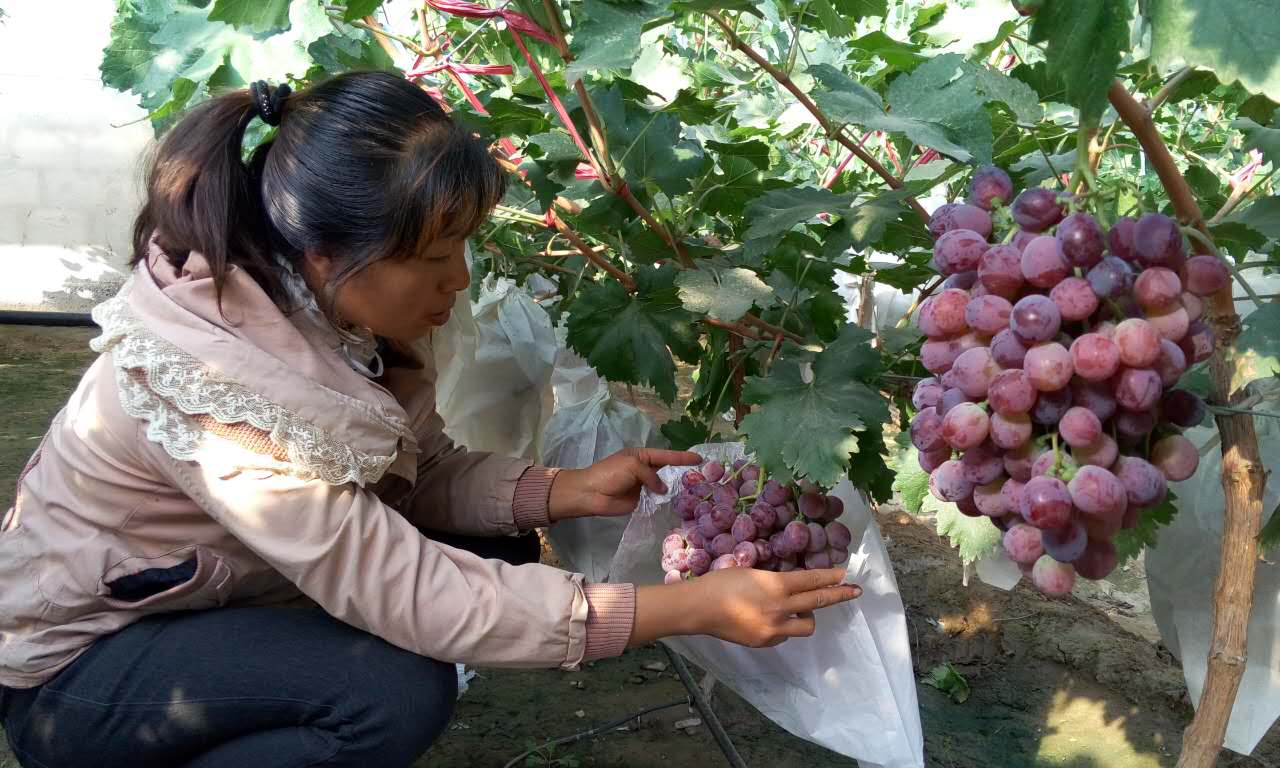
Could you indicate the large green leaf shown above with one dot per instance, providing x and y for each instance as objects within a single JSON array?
[
  {"x": 725, "y": 294},
  {"x": 257, "y": 15},
  {"x": 1262, "y": 216},
  {"x": 606, "y": 35},
  {"x": 358, "y": 9},
  {"x": 631, "y": 338},
  {"x": 1257, "y": 348},
  {"x": 1131, "y": 541},
  {"x": 1085, "y": 40},
  {"x": 1261, "y": 137},
  {"x": 778, "y": 211},
  {"x": 339, "y": 52},
  {"x": 128, "y": 56},
  {"x": 1234, "y": 38},
  {"x": 809, "y": 419}
]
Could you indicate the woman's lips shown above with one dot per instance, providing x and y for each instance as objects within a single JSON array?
[{"x": 439, "y": 318}]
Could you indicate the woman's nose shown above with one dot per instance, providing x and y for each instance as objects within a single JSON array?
[{"x": 459, "y": 277}]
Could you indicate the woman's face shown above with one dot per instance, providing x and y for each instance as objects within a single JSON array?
[{"x": 399, "y": 299}]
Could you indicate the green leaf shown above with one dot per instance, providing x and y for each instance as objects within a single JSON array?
[
  {"x": 1234, "y": 38},
  {"x": 1259, "y": 137},
  {"x": 1257, "y": 348},
  {"x": 358, "y": 9},
  {"x": 1238, "y": 238},
  {"x": 259, "y": 16},
  {"x": 895, "y": 341},
  {"x": 863, "y": 228},
  {"x": 685, "y": 433},
  {"x": 777, "y": 211},
  {"x": 808, "y": 420},
  {"x": 895, "y": 53},
  {"x": 337, "y": 53},
  {"x": 631, "y": 338},
  {"x": 1269, "y": 536},
  {"x": 556, "y": 146},
  {"x": 1131, "y": 541},
  {"x": 128, "y": 56},
  {"x": 1085, "y": 40},
  {"x": 947, "y": 679},
  {"x": 606, "y": 35},
  {"x": 867, "y": 468},
  {"x": 972, "y": 536},
  {"x": 722, "y": 294},
  {"x": 1263, "y": 216},
  {"x": 660, "y": 158},
  {"x": 911, "y": 274},
  {"x": 754, "y": 151},
  {"x": 911, "y": 481}
]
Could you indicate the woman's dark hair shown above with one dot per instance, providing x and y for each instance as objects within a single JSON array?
[{"x": 363, "y": 167}]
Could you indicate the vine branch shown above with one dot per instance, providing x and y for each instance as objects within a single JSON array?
[
  {"x": 1243, "y": 477},
  {"x": 833, "y": 129}
]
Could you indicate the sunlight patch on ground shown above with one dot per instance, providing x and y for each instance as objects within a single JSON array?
[{"x": 1078, "y": 731}]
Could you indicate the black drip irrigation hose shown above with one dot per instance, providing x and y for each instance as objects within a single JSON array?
[{"x": 60, "y": 319}]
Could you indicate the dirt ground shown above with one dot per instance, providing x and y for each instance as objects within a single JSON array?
[{"x": 1076, "y": 683}]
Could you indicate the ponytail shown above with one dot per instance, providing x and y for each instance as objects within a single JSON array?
[{"x": 202, "y": 197}]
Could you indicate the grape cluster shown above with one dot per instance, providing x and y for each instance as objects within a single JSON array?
[
  {"x": 736, "y": 517},
  {"x": 1055, "y": 353}
]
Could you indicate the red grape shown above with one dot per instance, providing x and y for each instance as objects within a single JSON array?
[
  {"x": 950, "y": 399},
  {"x": 1098, "y": 561},
  {"x": 962, "y": 280},
  {"x": 838, "y": 536},
  {"x": 1171, "y": 325},
  {"x": 1048, "y": 367},
  {"x": 959, "y": 251},
  {"x": 1100, "y": 453},
  {"x": 1206, "y": 275},
  {"x": 1011, "y": 392},
  {"x": 1018, "y": 462},
  {"x": 1037, "y": 209},
  {"x": 776, "y": 493},
  {"x": 1043, "y": 264},
  {"x": 965, "y": 426},
  {"x": 1097, "y": 492},
  {"x": 1053, "y": 464},
  {"x": 1131, "y": 426},
  {"x": 990, "y": 499},
  {"x": 1138, "y": 341},
  {"x": 1194, "y": 306},
  {"x": 1050, "y": 406},
  {"x": 744, "y": 529},
  {"x": 691, "y": 478},
  {"x": 1023, "y": 544},
  {"x": 947, "y": 483},
  {"x": 973, "y": 371},
  {"x": 699, "y": 561},
  {"x": 942, "y": 316},
  {"x": 1065, "y": 544},
  {"x": 983, "y": 464},
  {"x": 1157, "y": 288},
  {"x": 1120, "y": 238},
  {"x": 1020, "y": 240},
  {"x": 1079, "y": 427},
  {"x": 1197, "y": 345},
  {"x": 1111, "y": 278},
  {"x": 1075, "y": 299},
  {"x": 1095, "y": 357},
  {"x": 816, "y": 560},
  {"x": 1144, "y": 485},
  {"x": 817, "y": 537},
  {"x": 953, "y": 216},
  {"x": 988, "y": 314},
  {"x": 723, "y": 544},
  {"x": 1009, "y": 431},
  {"x": 814, "y": 507},
  {"x": 1176, "y": 457},
  {"x": 931, "y": 460},
  {"x": 1171, "y": 364},
  {"x": 766, "y": 517},
  {"x": 795, "y": 536},
  {"x": 1000, "y": 270},
  {"x": 1052, "y": 577},
  {"x": 1012, "y": 492},
  {"x": 938, "y": 355},
  {"x": 1138, "y": 389},
  {"x": 1045, "y": 502},
  {"x": 1182, "y": 408},
  {"x": 724, "y": 561},
  {"x": 1096, "y": 396},
  {"x": 989, "y": 186},
  {"x": 1081, "y": 239}
]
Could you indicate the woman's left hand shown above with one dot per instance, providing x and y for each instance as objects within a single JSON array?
[{"x": 611, "y": 487}]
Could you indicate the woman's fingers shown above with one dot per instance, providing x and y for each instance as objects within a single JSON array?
[
  {"x": 646, "y": 474},
  {"x": 799, "y": 626},
  {"x": 823, "y": 597},
  {"x": 806, "y": 581},
  {"x": 659, "y": 457}
]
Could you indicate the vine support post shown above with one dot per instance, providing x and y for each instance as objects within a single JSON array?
[{"x": 1243, "y": 477}]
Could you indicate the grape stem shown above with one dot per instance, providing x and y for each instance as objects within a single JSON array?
[
  {"x": 1250, "y": 411},
  {"x": 1204, "y": 241},
  {"x": 906, "y": 319}
]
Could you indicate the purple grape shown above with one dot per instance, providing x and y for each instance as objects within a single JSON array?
[
  {"x": 750, "y": 474},
  {"x": 1009, "y": 431},
  {"x": 1081, "y": 239},
  {"x": 764, "y": 552},
  {"x": 931, "y": 460},
  {"x": 745, "y": 554},
  {"x": 983, "y": 464},
  {"x": 1144, "y": 485},
  {"x": 795, "y": 537},
  {"x": 1157, "y": 241},
  {"x": 1045, "y": 502},
  {"x": 1023, "y": 544},
  {"x": 695, "y": 538},
  {"x": 961, "y": 280},
  {"x": 1111, "y": 278},
  {"x": 1096, "y": 396},
  {"x": 957, "y": 216},
  {"x": 1048, "y": 367},
  {"x": 988, "y": 314},
  {"x": 990, "y": 185},
  {"x": 1098, "y": 561},
  {"x": 723, "y": 544},
  {"x": 838, "y": 556},
  {"x": 1176, "y": 457},
  {"x": 713, "y": 471},
  {"x": 1050, "y": 406},
  {"x": 950, "y": 399},
  {"x": 699, "y": 561},
  {"x": 1197, "y": 345},
  {"x": 1052, "y": 577},
  {"x": 1182, "y": 408},
  {"x": 1018, "y": 462},
  {"x": 814, "y": 507},
  {"x": 817, "y": 537},
  {"x": 1138, "y": 389},
  {"x": 1021, "y": 238},
  {"x": 685, "y": 506},
  {"x": 1171, "y": 364},
  {"x": 965, "y": 426},
  {"x": 724, "y": 561},
  {"x": 692, "y": 478},
  {"x": 764, "y": 516},
  {"x": 990, "y": 499},
  {"x": 707, "y": 527},
  {"x": 1096, "y": 492},
  {"x": 1079, "y": 427},
  {"x": 947, "y": 482},
  {"x": 1132, "y": 426},
  {"x": 973, "y": 371},
  {"x": 724, "y": 496},
  {"x": 1007, "y": 350},
  {"x": 1120, "y": 238},
  {"x": 816, "y": 560},
  {"x": 776, "y": 493},
  {"x": 1012, "y": 493},
  {"x": 1100, "y": 453},
  {"x": 1066, "y": 544},
  {"x": 968, "y": 508},
  {"x": 839, "y": 536},
  {"x": 835, "y": 508},
  {"x": 1037, "y": 209},
  {"x": 1034, "y": 319},
  {"x": 744, "y": 529},
  {"x": 959, "y": 250},
  {"x": 1053, "y": 465}
]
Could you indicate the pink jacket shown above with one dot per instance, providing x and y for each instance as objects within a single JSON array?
[{"x": 206, "y": 462}]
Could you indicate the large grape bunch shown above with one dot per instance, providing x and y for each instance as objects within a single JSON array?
[
  {"x": 737, "y": 517},
  {"x": 1056, "y": 352}
]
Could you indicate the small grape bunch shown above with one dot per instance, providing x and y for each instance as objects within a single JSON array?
[
  {"x": 1056, "y": 352},
  {"x": 738, "y": 517}
]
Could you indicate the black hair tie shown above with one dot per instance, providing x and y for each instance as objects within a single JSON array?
[{"x": 267, "y": 103}]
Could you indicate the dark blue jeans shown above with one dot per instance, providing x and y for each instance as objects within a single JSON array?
[{"x": 241, "y": 687}]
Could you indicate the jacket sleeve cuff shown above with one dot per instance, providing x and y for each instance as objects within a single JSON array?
[
  {"x": 530, "y": 506},
  {"x": 611, "y": 613}
]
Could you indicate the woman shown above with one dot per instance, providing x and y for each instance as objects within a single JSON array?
[{"x": 244, "y": 540}]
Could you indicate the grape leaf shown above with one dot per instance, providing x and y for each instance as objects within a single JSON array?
[
  {"x": 1085, "y": 40},
  {"x": 1131, "y": 541},
  {"x": 972, "y": 536},
  {"x": 947, "y": 679},
  {"x": 631, "y": 338},
  {"x": 1261, "y": 137},
  {"x": 1257, "y": 348},
  {"x": 895, "y": 341},
  {"x": 723, "y": 294},
  {"x": 775, "y": 212},
  {"x": 128, "y": 56},
  {"x": 685, "y": 433},
  {"x": 607, "y": 35},
  {"x": 912, "y": 482},
  {"x": 659, "y": 157},
  {"x": 808, "y": 420},
  {"x": 1234, "y": 38},
  {"x": 909, "y": 275},
  {"x": 1263, "y": 216},
  {"x": 754, "y": 151},
  {"x": 867, "y": 468},
  {"x": 358, "y": 9},
  {"x": 864, "y": 226},
  {"x": 259, "y": 16},
  {"x": 556, "y": 146},
  {"x": 337, "y": 52},
  {"x": 895, "y": 53}
]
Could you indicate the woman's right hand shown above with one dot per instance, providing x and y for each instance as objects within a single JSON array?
[{"x": 741, "y": 605}]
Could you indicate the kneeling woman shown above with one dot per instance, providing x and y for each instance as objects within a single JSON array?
[{"x": 246, "y": 540}]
